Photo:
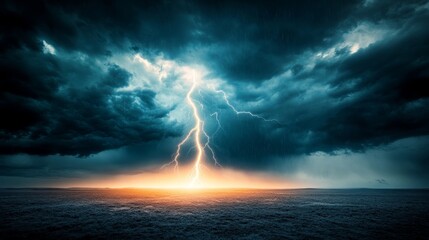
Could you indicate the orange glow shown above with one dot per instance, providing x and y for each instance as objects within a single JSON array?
[{"x": 211, "y": 178}]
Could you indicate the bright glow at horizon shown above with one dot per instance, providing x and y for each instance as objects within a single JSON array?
[{"x": 219, "y": 178}]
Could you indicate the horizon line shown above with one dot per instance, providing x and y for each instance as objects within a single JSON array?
[{"x": 210, "y": 188}]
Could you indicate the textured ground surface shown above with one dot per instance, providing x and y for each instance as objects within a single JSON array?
[{"x": 216, "y": 214}]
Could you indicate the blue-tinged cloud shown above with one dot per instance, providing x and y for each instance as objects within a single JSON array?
[
  {"x": 335, "y": 76},
  {"x": 69, "y": 104}
]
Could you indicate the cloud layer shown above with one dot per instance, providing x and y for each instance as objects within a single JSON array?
[{"x": 90, "y": 78}]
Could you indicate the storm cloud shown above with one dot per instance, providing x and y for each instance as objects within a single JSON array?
[{"x": 83, "y": 79}]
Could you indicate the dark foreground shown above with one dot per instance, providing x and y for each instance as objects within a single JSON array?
[{"x": 213, "y": 214}]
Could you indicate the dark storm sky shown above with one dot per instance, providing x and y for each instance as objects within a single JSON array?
[{"x": 346, "y": 81}]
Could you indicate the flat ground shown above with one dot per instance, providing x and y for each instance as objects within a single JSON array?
[{"x": 213, "y": 214}]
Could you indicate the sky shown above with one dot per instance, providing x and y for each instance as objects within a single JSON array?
[{"x": 316, "y": 93}]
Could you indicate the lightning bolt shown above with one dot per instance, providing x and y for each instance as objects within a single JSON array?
[
  {"x": 219, "y": 126},
  {"x": 225, "y": 97},
  {"x": 196, "y": 132},
  {"x": 175, "y": 160},
  {"x": 199, "y": 130},
  {"x": 207, "y": 145}
]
